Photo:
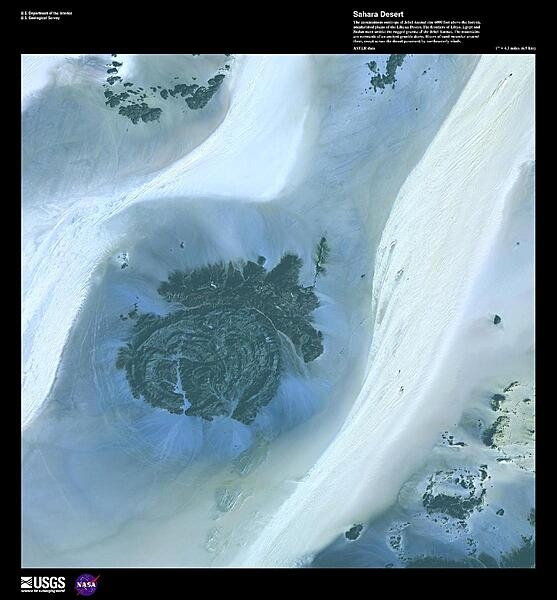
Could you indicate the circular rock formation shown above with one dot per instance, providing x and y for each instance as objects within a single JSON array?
[{"x": 221, "y": 353}]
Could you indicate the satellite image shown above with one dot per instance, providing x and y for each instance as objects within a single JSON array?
[{"x": 278, "y": 310}]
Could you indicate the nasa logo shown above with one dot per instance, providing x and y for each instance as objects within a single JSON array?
[{"x": 86, "y": 584}]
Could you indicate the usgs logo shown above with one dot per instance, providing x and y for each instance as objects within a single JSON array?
[{"x": 46, "y": 584}]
